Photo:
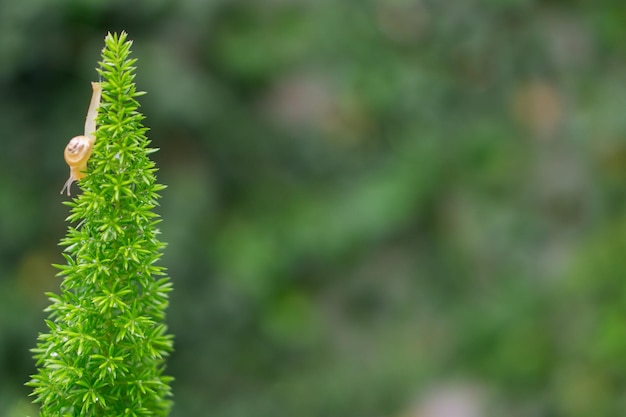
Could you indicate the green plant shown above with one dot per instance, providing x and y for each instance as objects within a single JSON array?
[{"x": 104, "y": 354}]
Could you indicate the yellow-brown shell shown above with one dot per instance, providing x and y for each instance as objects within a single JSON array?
[{"x": 77, "y": 153}]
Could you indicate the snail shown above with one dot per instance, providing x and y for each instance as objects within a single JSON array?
[{"x": 79, "y": 148}]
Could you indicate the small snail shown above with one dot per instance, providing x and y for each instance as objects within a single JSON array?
[{"x": 78, "y": 150}]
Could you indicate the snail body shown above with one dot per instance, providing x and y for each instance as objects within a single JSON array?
[{"x": 78, "y": 150}]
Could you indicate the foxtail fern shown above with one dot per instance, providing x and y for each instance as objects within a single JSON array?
[{"x": 105, "y": 349}]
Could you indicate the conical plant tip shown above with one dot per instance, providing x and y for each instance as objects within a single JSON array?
[{"x": 105, "y": 348}]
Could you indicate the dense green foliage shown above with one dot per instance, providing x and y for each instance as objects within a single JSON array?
[
  {"x": 104, "y": 351},
  {"x": 368, "y": 201}
]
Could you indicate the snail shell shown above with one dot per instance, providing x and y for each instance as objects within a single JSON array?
[{"x": 76, "y": 154}]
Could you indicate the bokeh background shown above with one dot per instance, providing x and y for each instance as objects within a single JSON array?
[{"x": 375, "y": 208}]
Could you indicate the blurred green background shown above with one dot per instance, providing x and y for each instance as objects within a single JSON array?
[{"x": 375, "y": 208}]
